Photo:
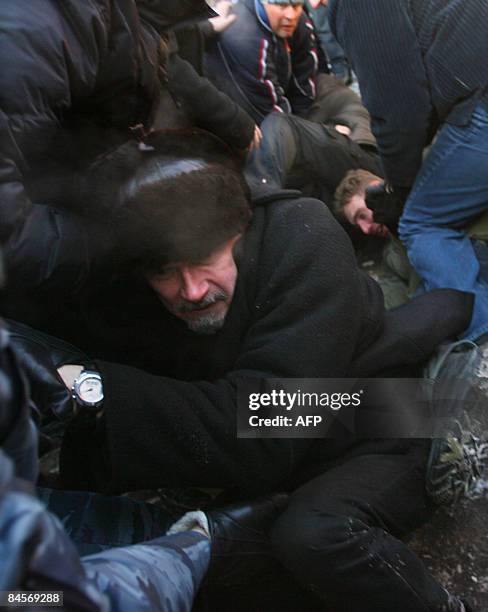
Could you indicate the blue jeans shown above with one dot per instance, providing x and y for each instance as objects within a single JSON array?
[{"x": 449, "y": 192}]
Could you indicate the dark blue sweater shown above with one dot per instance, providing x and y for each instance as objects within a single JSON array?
[{"x": 419, "y": 63}]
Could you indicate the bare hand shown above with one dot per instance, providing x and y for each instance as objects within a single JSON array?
[
  {"x": 69, "y": 373},
  {"x": 315, "y": 3},
  {"x": 256, "y": 139},
  {"x": 225, "y": 18},
  {"x": 343, "y": 129}
]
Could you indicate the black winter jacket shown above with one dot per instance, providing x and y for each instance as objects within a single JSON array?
[
  {"x": 76, "y": 76},
  {"x": 419, "y": 63},
  {"x": 298, "y": 312}
]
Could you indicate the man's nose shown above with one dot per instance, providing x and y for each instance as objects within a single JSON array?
[
  {"x": 194, "y": 286},
  {"x": 365, "y": 226},
  {"x": 289, "y": 12}
]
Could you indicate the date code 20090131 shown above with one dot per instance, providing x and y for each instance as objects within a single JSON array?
[{"x": 31, "y": 599}]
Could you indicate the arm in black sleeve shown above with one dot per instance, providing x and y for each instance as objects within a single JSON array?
[
  {"x": 208, "y": 107},
  {"x": 307, "y": 313},
  {"x": 380, "y": 40},
  {"x": 53, "y": 54},
  {"x": 42, "y": 246},
  {"x": 206, "y": 29}
]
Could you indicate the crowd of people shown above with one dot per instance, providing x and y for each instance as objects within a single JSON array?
[{"x": 178, "y": 186}]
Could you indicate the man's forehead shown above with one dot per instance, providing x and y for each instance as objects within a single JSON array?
[{"x": 204, "y": 257}]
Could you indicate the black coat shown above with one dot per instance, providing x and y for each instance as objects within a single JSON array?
[
  {"x": 301, "y": 308},
  {"x": 76, "y": 76}
]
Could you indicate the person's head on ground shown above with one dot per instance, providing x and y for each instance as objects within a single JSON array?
[
  {"x": 350, "y": 203},
  {"x": 181, "y": 210},
  {"x": 284, "y": 16}
]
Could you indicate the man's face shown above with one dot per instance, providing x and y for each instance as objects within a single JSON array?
[
  {"x": 199, "y": 293},
  {"x": 283, "y": 18},
  {"x": 357, "y": 213}
]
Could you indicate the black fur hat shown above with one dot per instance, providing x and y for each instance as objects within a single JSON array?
[{"x": 178, "y": 196}]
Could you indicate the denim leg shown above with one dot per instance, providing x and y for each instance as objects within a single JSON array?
[
  {"x": 449, "y": 192},
  {"x": 96, "y": 522},
  {"x": 268, "y": 165}
]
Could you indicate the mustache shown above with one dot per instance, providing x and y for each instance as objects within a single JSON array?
[{"x": 208, "y": 300}]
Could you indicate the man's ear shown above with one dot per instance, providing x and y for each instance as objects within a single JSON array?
[{"x": 238, "y": 248}]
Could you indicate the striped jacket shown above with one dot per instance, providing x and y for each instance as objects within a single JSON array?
[{"x": 261, "y": 71}]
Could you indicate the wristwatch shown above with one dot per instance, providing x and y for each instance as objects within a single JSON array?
[{"x": 87, "y": 391}]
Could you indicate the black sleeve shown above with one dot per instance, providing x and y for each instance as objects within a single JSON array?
[
  {"x": 49, "y": 54},
  {"x": 206, "y": 29},
  {"x": 42, "y": 246},
  {"x": 209, "y": 108},
  {"x": 380, "y": 40},
  {"x": 307, "y": 316}
]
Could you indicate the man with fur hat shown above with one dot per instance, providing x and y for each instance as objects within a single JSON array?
[{"x": 210, "y": 297}]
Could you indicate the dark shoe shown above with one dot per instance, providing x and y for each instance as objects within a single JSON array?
[
  {"x": 456, "y": 465},
  {"x": 458, "y": 460},
  {"x": 239, "y": 537}
]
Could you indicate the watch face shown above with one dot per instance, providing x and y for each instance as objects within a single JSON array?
[{"x": 90, "y": 390}]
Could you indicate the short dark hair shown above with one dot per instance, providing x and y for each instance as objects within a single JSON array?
[
  {"x": 354, "y": 183},
  {"x": 178, "y": 196}
]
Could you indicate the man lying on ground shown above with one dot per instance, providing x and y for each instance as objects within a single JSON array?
[{"x": 213, "y": 296}]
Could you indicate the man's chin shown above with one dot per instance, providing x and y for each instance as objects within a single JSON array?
[
  {"x": 206, "y": 324},
  {"x": 206, "y": 321},
  {"x": 286, "y": 32}
]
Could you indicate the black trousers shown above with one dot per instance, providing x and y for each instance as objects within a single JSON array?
[
  {"x": 339, "y": 536},
  {"x": 297, "y": 153}
]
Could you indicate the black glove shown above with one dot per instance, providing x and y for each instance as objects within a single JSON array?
[
  {"x": 14, "y": 396},
  {"x": 40, "y": 356},
  {"x": 387, "y": 204}
]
